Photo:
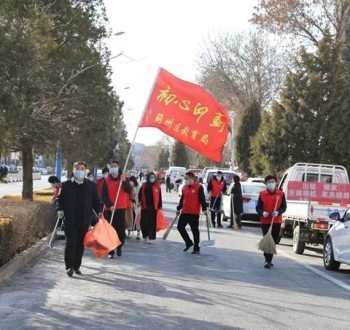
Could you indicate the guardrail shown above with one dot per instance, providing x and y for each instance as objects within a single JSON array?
[{"x": 17, "y": 177}]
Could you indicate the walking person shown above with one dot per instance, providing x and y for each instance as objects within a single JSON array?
[
  {"x": 270, "y": 207},
  {"x": 77, "y": 200},
  {"x": 191, "y": 202},
  {"x": 236, "y": 202},
  {"x": 150, "y": 199},
  {"x": 168, "y": 184},
  {"x": 109, "y": 195},
  {"x": 216, "y": 187}
]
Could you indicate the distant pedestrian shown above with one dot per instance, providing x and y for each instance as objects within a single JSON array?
[
  {"x": 270, "y": 207},
  {"x": 78, "y": 200},
  {"x": 236, "y": 202},
  {"x": 141, "y": 176},
  {"x": 113, "y": 183},
  {"x": 191, "y": 202},
  {"x": 150, "y": 199},
  {"x": 168, "y": 184},
  {"x": 216, "y": 188},
  {"x": 134, "y": 186},
  {"x": 100, "y": 181},
  {"x": 57, "y": 187}
]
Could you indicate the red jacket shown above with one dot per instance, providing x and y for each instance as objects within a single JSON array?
[
  {"x": 192, "y": 199},
  {"x": 111, "y": 186},
  {"x": 270, "y": 202},
  {"x": 156, "y": 194},
  {"x": 216, "y": 187}
]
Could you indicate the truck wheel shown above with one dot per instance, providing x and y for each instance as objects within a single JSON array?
[
  {"x": 298, "y": 244},
  {"x": 328, "y": 256}
]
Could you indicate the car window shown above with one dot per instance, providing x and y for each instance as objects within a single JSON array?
[
  {"x": 310, "y": 177},
  {"x": 283, "y": 181},
  {"x": 252, "y": 189},
  {"x": 347, "y": 216},
  {"x": 227, "y": 176}
]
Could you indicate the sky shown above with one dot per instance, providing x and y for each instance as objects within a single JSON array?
[{"x": 168, "y": 34}]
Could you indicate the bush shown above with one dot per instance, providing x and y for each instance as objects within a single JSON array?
[{"x": 22, "y": 224}]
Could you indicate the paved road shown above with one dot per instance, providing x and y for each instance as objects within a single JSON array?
[
  {"x": 16, "y": 187},
  {"x": 160, "y": 287}
]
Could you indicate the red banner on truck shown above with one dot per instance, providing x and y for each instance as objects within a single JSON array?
[{"x": 319, "y": 192}]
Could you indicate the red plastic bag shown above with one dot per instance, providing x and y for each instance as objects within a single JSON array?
[
  {"x": 102, "y": 238},
  {"x": 162, "y": 222}
]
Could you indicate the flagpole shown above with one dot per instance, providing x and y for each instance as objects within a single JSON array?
[{"x": 132, "y": 144}]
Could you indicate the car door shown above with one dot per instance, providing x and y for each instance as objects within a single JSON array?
[
  {"x": 345, "y": 239},
  {"x": 341, "y": 236}
]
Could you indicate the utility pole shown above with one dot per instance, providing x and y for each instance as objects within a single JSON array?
[{"x": 233, "y": 149}]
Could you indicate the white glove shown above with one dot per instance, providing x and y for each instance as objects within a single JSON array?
[
  {"x": 266, "y": 214},
  {"x": 275, "y": 214},
  {"x": 60, "y": 214}
]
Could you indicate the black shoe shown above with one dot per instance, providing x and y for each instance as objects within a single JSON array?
[
  {"x": 230, "y": 226},
  {"x": 78, "y": 272},
  {"x": 70, "y": 272},
  {"x": 119, "y": 252},
  {"x": 220, "y": 226},
  {"x": 267, "y": 265},
  {"x": 196, "y": 251},
  {"x": 188, "y": 247},
  {"x": 111, "y": 255},
  {"x": 214, "y": 225},
  {"x": 271, "y": 264}
]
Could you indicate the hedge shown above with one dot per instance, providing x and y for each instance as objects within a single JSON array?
[{"x": 22, "y": 224}]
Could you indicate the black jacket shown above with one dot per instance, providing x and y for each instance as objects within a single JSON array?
[
  {"x": 237, "y": 198},
  {"x": 78, "y": 202}
]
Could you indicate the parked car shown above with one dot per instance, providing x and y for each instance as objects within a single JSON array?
[
  {"x": 258, "y": 180},
  {"x": 336, "y": 248},
  {"x": 313, "y": 192},
  {"x": 250, "y": 194}
]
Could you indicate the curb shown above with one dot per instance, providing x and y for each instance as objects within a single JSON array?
[{"x": 23, "y": 259}]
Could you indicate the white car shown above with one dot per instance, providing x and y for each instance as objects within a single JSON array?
[
  {"x": 336, "y": 248},
  {"x": 250, "y": 194},
  {"x": 227, "y": 174}
]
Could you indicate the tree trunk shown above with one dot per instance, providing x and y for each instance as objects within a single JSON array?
[{"x": 27, "y": 162}]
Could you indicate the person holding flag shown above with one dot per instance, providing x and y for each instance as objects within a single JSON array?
[
  {"x": 109, "y": 194},
  {"x": 216, "y": 187},
  {"x": 191, "y": 202},
  {"x": 150, "y": 199}
]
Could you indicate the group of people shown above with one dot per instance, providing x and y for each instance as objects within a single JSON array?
[{"x": 83, "y": 202}]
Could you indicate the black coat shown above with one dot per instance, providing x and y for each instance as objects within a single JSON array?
[
  {"x": 78, "y": 203},
  {"x": 237, "y": 198}
]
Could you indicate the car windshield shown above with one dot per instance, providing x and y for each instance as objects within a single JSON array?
[
  {"x": 228, "y": 176},
  {"x": 252, "y": 189}
]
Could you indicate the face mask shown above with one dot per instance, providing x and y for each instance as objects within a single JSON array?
[
  {"x": 271, "y": 186},
  {"x": 79, "y": 175},
  {"x": 114, "y": 171},
  {"x": 188, "y": 182},
  {"x": 105, "y": 175},
  {"x": 152, "y": 179},
  {"x": 219, "y": 177},
  {"x": 131, "y": 184}
]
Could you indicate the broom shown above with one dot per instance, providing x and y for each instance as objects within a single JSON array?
[
  {"x": 167, "y": 232},
  {"x": 267, "y": 243}
]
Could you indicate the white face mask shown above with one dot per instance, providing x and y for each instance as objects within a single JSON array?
[
  {"x": 152, "y": 179},
  {"x": 219, "y": 177},
  {"x": 271, "y": 186},
  {"x": 114, "y": 171},
  {"x": 79, "y": 175}
]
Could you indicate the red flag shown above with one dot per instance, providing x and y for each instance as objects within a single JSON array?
[{"x": 188, "y": 113}]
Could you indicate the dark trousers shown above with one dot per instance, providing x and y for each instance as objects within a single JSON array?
[
  {"x": 74, "y": 250},
  {"x": 193, "y": 221},
  {"x": 149, "y": 223},
  {"x": 215, "y": 206},
  {"x": 118, "y": 224},
  {"x": 276, "y": 227},
  {"x": 237, "y": 217}
]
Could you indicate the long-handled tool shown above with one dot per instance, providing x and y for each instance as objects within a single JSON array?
[
  {"x": 209, "y": 242},
  {"x": 167, "y": 232},
  {"x": 53, "y": 235},
  {"x": 235, "y": 224}
]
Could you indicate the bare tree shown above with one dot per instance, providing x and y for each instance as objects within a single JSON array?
[{"x": 242, "y": 68}]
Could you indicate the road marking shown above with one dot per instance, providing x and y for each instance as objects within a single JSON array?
[{"x": 327, "y": 277}]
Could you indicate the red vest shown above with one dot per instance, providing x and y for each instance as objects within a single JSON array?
[
  {"x": 217, "y": 187},
  {"x": 99, "y": 183},
  {"x": 271, "y": 202},
  {"x": 191, "y": 203},
  {"x": 156, "y": 196},
  {"x": 112, "y": 188}
]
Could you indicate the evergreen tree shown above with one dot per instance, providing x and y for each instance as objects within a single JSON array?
[
  {"x": 250, "y": 123},
  {"x": 179, "y": 155},
  {"x": 163, "y": 158}
]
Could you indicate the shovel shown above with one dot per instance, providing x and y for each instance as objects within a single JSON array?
[{"x": 209, "y": 242}]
